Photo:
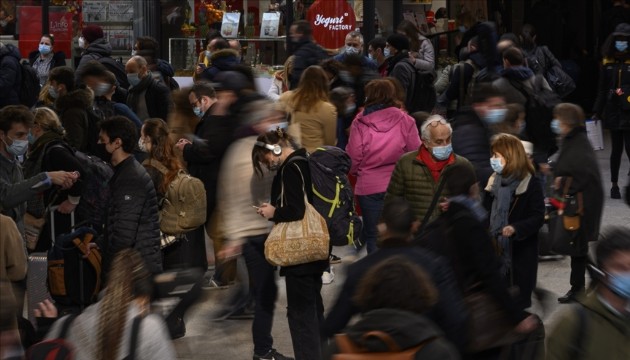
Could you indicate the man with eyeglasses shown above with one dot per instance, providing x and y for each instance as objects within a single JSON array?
[{"x": 417, "y": 174}]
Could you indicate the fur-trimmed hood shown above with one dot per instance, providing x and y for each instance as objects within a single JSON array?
[
  {"x": 224, "y": 59},
  {"x": 80, "y": 98}
]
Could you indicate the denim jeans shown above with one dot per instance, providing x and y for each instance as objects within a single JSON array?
[
  {"x": 305, "y": 311},
  {"x": 371, "y": 208},
  {"x": 262, "y": 277}
]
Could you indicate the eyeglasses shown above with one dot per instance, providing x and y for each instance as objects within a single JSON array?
[{"x": 193, "y": 104}]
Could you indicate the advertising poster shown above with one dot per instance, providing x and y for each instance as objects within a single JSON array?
[
  {"x": 331, "y": 20},
  {"x": 229, "y": 25},
  {"x": 270, "y": 24}
]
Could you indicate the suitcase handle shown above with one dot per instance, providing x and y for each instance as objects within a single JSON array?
[{"x": 53, "y": 233}]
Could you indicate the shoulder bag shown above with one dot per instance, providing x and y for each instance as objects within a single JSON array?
[
  {"x": 565, "y": 223},
  {"x": 298, "y": 242}
]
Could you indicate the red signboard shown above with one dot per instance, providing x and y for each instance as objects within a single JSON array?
[
  {"x": 30, "y": 29},
  {"x": 331, "y": 20}
]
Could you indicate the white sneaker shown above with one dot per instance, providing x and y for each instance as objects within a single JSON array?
[{"x": 328, "y": 277}]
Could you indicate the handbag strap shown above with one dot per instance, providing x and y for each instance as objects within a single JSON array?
[
  {"x": 156, "y": 164},
  {"x": 580, "y": 197},
  {"x": 135, "y": 333},
  {"x": 301, "y": 176}
]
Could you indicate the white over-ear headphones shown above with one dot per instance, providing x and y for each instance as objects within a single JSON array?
[{"x": 275, "y": 149}]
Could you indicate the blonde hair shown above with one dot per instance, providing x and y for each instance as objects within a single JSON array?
[
  {"x": 313, "y": 88},
  {"x": 48, "y": 120},
  {"x": 517, "y": 164}
]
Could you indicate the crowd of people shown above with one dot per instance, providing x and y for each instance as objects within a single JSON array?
[{"x": 453, "y": 192}]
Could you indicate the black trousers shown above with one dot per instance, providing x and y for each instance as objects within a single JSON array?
[
  {"x": 305, "y": 311},
  {"x": 619, "y": 138},
  {"x": 578, "y": 270},
  {"x": 263, "y": 282}
]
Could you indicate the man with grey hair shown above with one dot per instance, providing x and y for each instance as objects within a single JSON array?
[
  {"x": 417, "y": 174},
  {"x": 354, "y": 45},
  {"x": 148, "y": 97}
]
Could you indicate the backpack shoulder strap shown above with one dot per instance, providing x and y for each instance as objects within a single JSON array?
[
  {"x": 135, "y": 334},
  {"x": 156, "y": 164},
  {"x": 434, "y": 201},
  {"x": 66, "y": 326}
]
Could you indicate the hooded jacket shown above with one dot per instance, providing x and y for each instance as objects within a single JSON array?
[
  {"x": 221, "y": 60},
  {"x": 10, "y": 75},
  {"x": 471, "y": 139},
  {"x": 605, "y": 335},
  {"x": 407, "y": 329},
  {"x": 614, "y": 109},
  {"x": 520, "y": 74},
  {"x": 377, "y": 140},
  {"x": 72, "y": 109},
  {"x": 306, "y": 53},
  {"x": 96, "y": 50}
]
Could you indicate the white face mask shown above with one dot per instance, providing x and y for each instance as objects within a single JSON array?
[
  {"x": 82, "y": 42},
  {"x": 101, "y": 89},
  {"x": 141, "y": 145},
  {"x": 133, "y": 52}
]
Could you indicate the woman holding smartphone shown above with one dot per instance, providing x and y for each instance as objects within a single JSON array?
[{"x": 292, "y": 181}]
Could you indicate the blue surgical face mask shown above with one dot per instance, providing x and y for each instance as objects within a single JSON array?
[
  {"x": 496, "y": 165},
  {"x": 351, "y": 50},
  {"x": 197, "y": 111},
  {"x": 17, "y": 147},
  {"x": 521, "y": 127},
  {"x": 462, "y": 28},
  {"x": 133, "y": 52},
  {"x": 386, "y": 52},
  {"x": 619, "y": 283},
  {"x": 442, "y": 152},
  {"x": 350, "y": 109},
  {"x": 555, "y": 127},
  {"x": 53, "y": 92},
  {"x": 371, "y": 57},
  {"x": 44, "y": 49},
  {"x": 494, "y": 116},
  {"x": 134, "y": 79},
  {"x": 31, "y": 139},
  {"x": 621, "y": 45}
]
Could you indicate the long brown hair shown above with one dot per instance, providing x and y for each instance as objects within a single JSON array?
[
  {"x": 381, "y": 92},
  {"x": 162, "y": 149},
  {"x": 128, "y": 279},
  {"x": 411, "y": 32},
  {"x": 312, "y": 89},
  {"x": 517, "y": 164}
]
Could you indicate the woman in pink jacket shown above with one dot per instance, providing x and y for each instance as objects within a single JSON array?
[{"x": 379, "y": 136}]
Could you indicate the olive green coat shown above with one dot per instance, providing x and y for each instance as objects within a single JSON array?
[
  {"x": 605, "y": 335},
  {"x": 412, "y": 180}
]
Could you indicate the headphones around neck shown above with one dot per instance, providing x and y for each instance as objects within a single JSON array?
[{"x": 275, "y": 149}]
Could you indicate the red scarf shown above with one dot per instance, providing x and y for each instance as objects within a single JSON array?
[{"x": 435, "y": 166}]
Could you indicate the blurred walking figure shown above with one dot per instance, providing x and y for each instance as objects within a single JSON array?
[
  {"x": 103, "y": 330},
  {"x": 612, "y": 103},
  {"x": 245, "y": 230},
  {"x": 305, "y": 309},
  {"x": 515, "y": 197},
  {"x": 379, "y": 136},
  {"x": 576, "y": 161},
  {"x": 399, "y": 320},
  {"x": 599, "y": 327}
]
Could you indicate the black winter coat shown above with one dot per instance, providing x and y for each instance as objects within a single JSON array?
[
  {"x": 96, "y": 50},
  {"x": 527, "y": 215},
  {"x": 407, "y": 329},
  {"x": 10, "y": 75},
  {"x": 132, "y": 219},
  {"x": 306, "y": 53},
  {"x": 156, "y": 95},
  {"x": 613, "y": 108},
  {"x": 449, "y": 313},
  {"x": 59, "y": 58},
  {"x": 463, "y": 240},
  {"x": 213, "y": 136},
  {"x": 471, "y": 139},
  {"x": 294, "y": 206},
  {"x": 577, "y": 160}
]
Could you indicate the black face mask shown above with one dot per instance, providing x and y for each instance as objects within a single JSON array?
[{"x": 101, "y": 152}]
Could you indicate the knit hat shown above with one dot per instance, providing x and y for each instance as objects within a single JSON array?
[
  {"x": 398, "y": 41},
  {"x": 92, "y": 33},
  {"x": 622, "y": 29}
]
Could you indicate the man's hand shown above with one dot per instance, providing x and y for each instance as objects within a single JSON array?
[
  {"x": 89, "y": 249},
  {"x": 230, "y": 251},
  {"x": 46, "y": 309},
  {"x": 528, "y": 325},
  {"x": 63, "y": 178},
  {"x": 508, "y": 231},
  {"x": 181, "y": 143},
  {"x": 66, "y": 207}
]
